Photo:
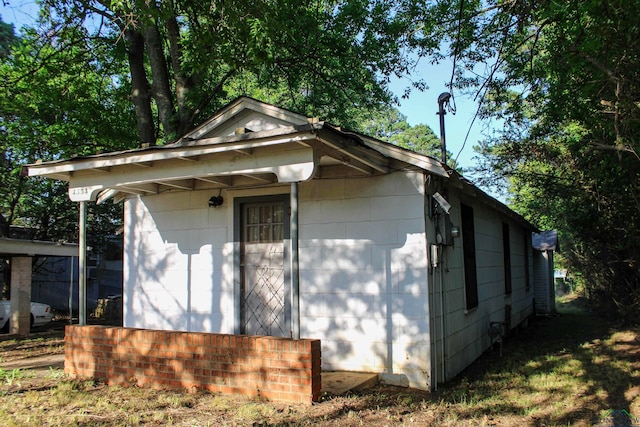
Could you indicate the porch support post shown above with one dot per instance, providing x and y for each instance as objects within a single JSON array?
[
  {"x": 20, "y": 306},
  {"x": 82, "y": 265},
  {"x": 295, "y": 266},
  {"x": 71, "y": 289}
]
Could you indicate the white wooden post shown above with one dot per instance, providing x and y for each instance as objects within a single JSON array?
[{"x": 82, "y": 265}]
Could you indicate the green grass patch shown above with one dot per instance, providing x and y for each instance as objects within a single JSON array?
[{"x": 573, "y": 369}]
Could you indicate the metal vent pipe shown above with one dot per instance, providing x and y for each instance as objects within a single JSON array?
[{"x": 442, "y": 100}]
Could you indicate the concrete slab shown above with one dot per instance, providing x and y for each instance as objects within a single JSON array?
[{"x": 336, "y": 383}]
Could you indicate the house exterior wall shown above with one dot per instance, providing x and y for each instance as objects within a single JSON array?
[
  {"x": 366, "y": 287},
  {"x": 177, "y": 263},
  {"x": 363, "y": 269},
  {"x": 363, "y": 275},
  {"x": 466, "y": 331}
]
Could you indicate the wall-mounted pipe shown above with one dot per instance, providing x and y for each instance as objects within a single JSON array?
[
  {"x": 295, "y": 265},
  {"x": 442, "y": 100}
]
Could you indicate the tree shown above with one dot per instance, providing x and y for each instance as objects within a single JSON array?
[
  {"x": 7, "y": 38},
  {"x": 56, "y": 106},
  {"x": 186, "y": 59},
  {"x": 563, "y": 76},
  {"x": 92, "y": 70},
  {"x": 389, "y": 124}
]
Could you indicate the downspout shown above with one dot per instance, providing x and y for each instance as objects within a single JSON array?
[
  {"x": 82, "y": 265},
  {"x": 436, "y": 253},
  {"x": 431, "y": 291},
  {"x": 435, "y": 341},
  {"x": 295, "y": 265},
  {"x": 442, "y": 314}
]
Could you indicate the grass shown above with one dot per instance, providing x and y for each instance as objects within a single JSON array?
[
  {"x": 573, "y": 369},
  {"x": 564, "y": 371},
  {"x": 14, "y": 349},
  {"x": 9, "y": 377}
]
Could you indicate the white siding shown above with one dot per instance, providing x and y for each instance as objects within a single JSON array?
[
  {"x": 176, "y": 259},
  {"x": 544, "y": 282},
  {"x": 363, "y": 269},
  {"x": 466, "y": 331},
  {"x": 363, "y": 277},
  {"x": 364, "y": 273}
]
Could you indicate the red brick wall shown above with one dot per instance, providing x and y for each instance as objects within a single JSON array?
[{"x": 266, "y": 367}]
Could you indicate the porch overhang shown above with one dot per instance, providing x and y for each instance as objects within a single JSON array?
[
  {"x": 20, "y": 247},
  {"x": 288, "y": 154}
]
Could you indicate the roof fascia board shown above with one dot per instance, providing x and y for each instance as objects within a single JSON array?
[
  {"x": 37, "y": 247},
  {"x": 470, "y": 190},
  {"x": 203, "y": 147},
  {"x": 416, "y": 159},
  {"x": 392, "y": 151},
  {"x": 355, "y": 159},
  {"x": 295, "y": 164}
]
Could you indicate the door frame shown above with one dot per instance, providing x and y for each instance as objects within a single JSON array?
[{"x": 238, "y": 205}]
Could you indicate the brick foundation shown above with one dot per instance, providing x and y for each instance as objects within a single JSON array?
[{"x": 264, "y": 367}]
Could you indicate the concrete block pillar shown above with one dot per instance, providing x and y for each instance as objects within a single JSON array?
[{"x": 20, "y": 295}]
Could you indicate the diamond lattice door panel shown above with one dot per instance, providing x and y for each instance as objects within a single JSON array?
[{"x": 263, "y": 292}]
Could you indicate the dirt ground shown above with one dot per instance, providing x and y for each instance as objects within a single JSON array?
[{"x": 573, "y": 369}]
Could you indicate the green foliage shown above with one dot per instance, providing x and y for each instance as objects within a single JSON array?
[
  {"x": 11, "y": 377},
  {"x": 67, "y": 84},
  {"x": 564, "y": 78},
  {"x": 7, "y": 38},
  {"x": 57, "y": 101},
  {"x": 323, "y": 58},
  {"x": 389, "y": 125}
]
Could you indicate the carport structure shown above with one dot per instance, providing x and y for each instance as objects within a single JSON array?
[{"x": 21, "y": 253}]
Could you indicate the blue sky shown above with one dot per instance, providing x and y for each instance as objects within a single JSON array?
[{"x": 420, "y": 107}]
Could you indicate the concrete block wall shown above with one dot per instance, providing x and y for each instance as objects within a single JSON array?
[
  {"x": 176, "y": 263},
  {"x": 364, "y": 275},
  {"x": 269, "y": 368},
  {"x": 467, "y": 330}
]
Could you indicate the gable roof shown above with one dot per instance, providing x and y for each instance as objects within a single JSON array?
[{"x": 245, "y": 143}]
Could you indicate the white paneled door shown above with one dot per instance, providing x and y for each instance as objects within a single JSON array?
[{"x": 263, "y": 303}]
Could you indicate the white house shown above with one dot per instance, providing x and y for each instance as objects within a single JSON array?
[{"x": 262, "y": 221}]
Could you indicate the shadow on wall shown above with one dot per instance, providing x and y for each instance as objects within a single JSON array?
[
  {"x": 174, "y": 274},
  {"x": 264, "y": 367},
  {"x": 363, "y": 281},
  {"x": 364, "y": 292}
]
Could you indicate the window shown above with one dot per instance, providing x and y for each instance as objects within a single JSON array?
[
  {"x": 264, "y": 222},
  {"x": 506, "y": 251},
  {"x": 469, "y": 254}
]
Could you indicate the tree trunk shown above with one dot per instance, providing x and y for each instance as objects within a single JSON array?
[
  {"x": 160, "y": 85},
  {"x": 140, "y": 87},
  {"x": 183, "y": 83},
  {"x": 4, "y": 227}
]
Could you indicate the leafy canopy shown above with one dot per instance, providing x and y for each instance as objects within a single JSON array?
[{"x": 564, "y": 78}]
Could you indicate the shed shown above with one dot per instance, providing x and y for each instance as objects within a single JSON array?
[
  {"x": 262, "y": 221},
  {"x": 545, "y": 244}
]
